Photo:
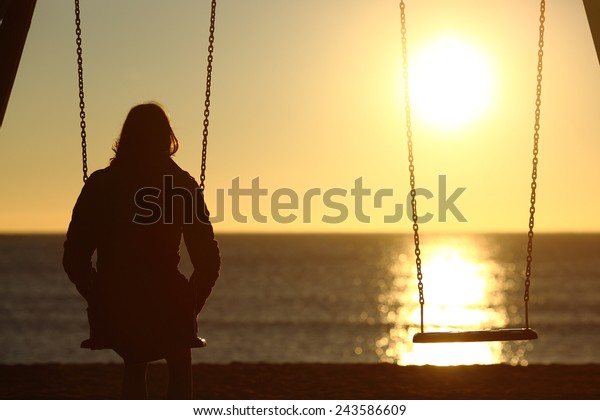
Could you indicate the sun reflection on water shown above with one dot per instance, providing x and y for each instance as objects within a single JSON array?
[{"x": 464, "y": 289}]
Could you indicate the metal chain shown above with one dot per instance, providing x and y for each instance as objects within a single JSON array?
[
  {"x": 536, "y": 137},
  {"x": 82, "y": 124},
  {"x": 211, "y": 40},
  {"x": 411, "y": 166}
]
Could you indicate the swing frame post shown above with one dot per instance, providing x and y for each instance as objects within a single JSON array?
[
  {"x": 592, "y": 10},
  {"x": 15, "y": 17}
]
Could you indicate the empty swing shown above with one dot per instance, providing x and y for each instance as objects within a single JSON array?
[
  {"x": 507, "y": 334},
  {"x": 196, "y": 342}
]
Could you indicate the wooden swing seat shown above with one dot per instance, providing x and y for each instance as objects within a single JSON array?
[
  {"x": 197, "y": 342},
  {"x": 509, "y": 334}
]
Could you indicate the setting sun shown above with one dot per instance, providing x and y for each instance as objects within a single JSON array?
[{"x": 451, "y": 83}]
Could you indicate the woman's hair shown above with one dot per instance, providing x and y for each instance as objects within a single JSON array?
[{"x": 146, "y": 135}]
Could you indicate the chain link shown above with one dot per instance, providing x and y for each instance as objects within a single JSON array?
[
  {"x": 211, "y": 40},
  {"x": 82, "y": 124},
  {"x": 536, "y": 138},
  {"x": 411, "y": 160}
]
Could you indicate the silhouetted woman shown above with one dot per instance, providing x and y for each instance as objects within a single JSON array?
[{"x": 133, "y": 214}]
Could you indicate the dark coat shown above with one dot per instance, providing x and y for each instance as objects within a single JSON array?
[{"x": 139, "y": 304}]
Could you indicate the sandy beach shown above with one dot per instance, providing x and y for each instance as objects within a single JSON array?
[{"x": 244, "y": 381}]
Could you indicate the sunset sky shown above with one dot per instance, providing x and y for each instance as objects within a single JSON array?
[{"x": 307, "y": 94}]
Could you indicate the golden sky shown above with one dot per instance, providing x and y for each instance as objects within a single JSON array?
[{"x": 307, "y": 95}]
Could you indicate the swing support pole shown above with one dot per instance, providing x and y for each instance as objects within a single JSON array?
[
  {"x": 15, "y": 17},
  {"x": 592, "y": 10}
]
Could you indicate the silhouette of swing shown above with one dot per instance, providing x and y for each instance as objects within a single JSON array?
[
  {"x": 508, "y": 334},
  {"x": 196, "y": 342}
]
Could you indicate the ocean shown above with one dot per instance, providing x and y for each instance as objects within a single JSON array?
[{"x": 326, "y": 298}]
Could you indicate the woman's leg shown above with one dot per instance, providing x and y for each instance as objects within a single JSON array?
[
  {"x": 180, "y": 374},
  {"x": 134, "y": 381}
]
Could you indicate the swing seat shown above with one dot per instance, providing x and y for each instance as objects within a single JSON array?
[
  {"x": 197, "y": 342},
  {"x": 509, "y": 334}
]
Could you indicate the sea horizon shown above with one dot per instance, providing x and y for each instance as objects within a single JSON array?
[{"x": 336, "y": 298}]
